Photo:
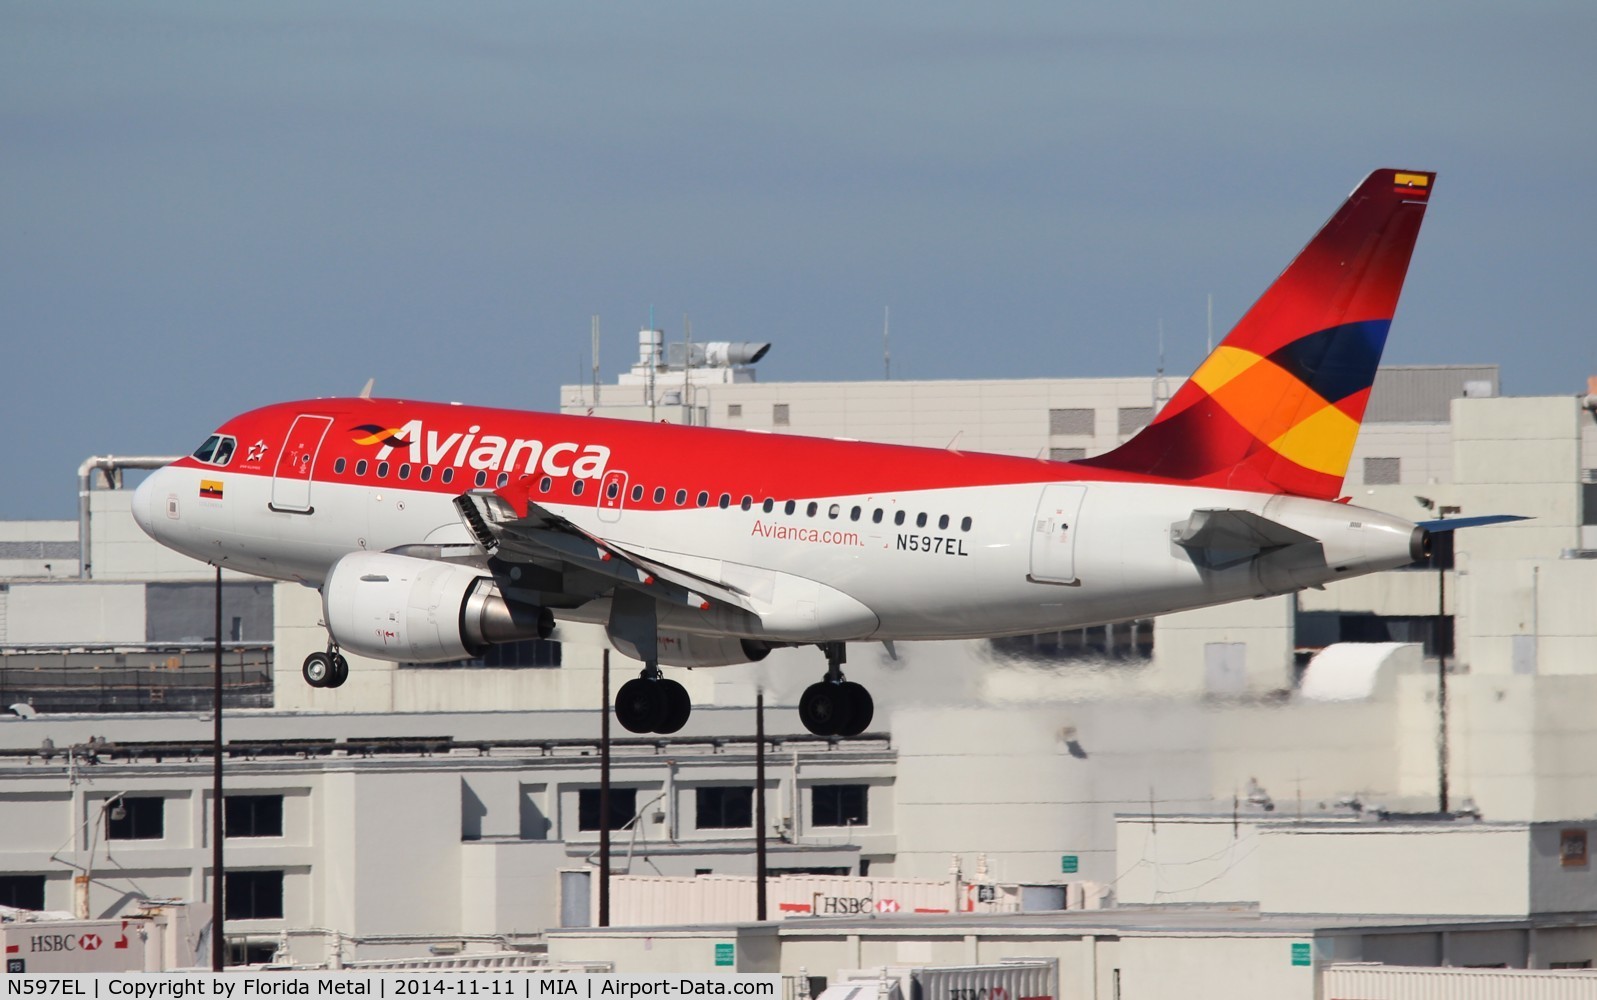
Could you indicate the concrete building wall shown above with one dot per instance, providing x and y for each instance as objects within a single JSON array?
[
  {"x": 38, "y": 549},
  {"x": 1469, "y": 870},
  {"x": 73, "y": 613}
]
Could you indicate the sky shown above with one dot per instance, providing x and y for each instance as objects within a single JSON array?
[{"x": 209, "y": 207}]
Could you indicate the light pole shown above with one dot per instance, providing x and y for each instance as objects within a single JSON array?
[{"x": 1444, "y": 641}]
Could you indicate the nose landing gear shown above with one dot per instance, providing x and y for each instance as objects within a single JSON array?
[
  {"x": 325, "y": 670},
  {"x": 834, "y": 706}
]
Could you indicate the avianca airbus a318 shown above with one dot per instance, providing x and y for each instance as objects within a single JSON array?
[{"x": 434, "y": 530}]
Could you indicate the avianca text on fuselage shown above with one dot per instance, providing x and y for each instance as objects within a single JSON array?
[{"x": 489, "y": 452}]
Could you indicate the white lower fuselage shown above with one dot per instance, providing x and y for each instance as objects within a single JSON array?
[{"x": 1035, "y": 557}]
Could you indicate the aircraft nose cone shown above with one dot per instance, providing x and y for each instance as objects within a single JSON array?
[{"x": 144, "y": 503}]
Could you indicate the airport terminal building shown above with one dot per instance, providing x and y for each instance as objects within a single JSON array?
[{"x": 1219, "y": 787}]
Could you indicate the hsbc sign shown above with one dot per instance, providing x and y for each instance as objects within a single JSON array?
[{"x": 75, "y": 946}]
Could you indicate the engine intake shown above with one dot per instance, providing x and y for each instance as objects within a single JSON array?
[{"x": 395, "y": 607}]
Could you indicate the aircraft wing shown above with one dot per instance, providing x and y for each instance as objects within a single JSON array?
[{"x": 544, "y": 537}]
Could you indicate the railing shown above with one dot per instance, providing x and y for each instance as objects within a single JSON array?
[{"x": 177, "y": 678}]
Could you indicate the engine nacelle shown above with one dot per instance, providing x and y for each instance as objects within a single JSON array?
[
  {"x": 395, "y": 607},
  {"x": 687, "y": 649}
]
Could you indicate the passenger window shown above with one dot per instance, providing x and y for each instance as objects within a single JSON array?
[
  {"x": 769, "y": 505},
  {"x": 543, "y": 487},
  {"x": 482, "y": 477},
  {"x": 382, "y": 470},
  {"x": 833, "y": 511},
  {"x": 426, "y": 477},
  {"x": 876, "y": 516},
  {"x": 404, "y": 470},
  {"x": 942, "y": 523},
  {"x": 789, "y": 507},
  {"x": 920, "y": 520},
  {"x": 360, "y": 467},
  {"x": 448, "y": 476},
  {"x": 576, "y": 488},
  {"x": 338, "y": 467},
  {"x": 611, "y": 490},
  {"x": 812, "y": 508},
  {"x": 659, "y": 494},
  {"x": 504, "y": 477},
  {"x": 747, "y": 503},
  {"x": 704, "y": 499},
  {"x": 853, "y": 515},
  {"x": 637, "y": 493},
  {"x": 726, "y": 501},
  {"x": 898, "y": 517},
  {"x": 964, "y": 525},
  {"x": 682, "y": 498}
]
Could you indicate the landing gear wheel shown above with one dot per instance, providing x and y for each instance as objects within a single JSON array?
[
  {"x": 678, "y": 706},
  {"x": 823, "y": 708},
  {"x": 641, "y": 705},
  {"x": 861, "y": 707},
  {"x": 318, "y": 670},
  {"x": 340, "y": 672}
]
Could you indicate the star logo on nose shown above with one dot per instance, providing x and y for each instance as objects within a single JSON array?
[{"x": 257, "y": 451}]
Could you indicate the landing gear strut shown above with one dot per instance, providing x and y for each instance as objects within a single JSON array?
[
  {"x": 650, "y": 703},
  {"x": 326, "y": 670},
  {"x": 834, "y": 706}
]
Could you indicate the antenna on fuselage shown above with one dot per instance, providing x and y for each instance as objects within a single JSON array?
[{"x": 366, "y": 393}]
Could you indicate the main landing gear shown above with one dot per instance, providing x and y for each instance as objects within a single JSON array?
[
  {"x": 834, "y": 706},
  {"x": 650, "y": 703},
  {"x": 326, "y": 670}
]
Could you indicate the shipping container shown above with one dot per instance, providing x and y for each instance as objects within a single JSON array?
[{"x": 1392, "y": 982}]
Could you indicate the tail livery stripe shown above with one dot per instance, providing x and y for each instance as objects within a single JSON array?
[{"x": 1277, "y": 406}]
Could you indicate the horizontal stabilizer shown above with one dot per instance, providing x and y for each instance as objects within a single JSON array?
[
  {"x": 1454, "y": 523},
  {"x": 1219, "y": 529}
]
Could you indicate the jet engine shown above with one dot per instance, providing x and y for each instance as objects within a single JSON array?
[
  {"x": 687, "y": 649},
  {"x": 397, "y": 607}
]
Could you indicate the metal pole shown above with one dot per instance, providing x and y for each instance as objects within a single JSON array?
[
  {"x": 218, "y": 944},
  {"x": 604, "y": 794},
  {"x": 1441, "y": 686},
  {"x": 759, "y": 805}
]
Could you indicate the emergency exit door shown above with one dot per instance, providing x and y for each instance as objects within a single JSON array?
[{"x": 1053, "y": 536}]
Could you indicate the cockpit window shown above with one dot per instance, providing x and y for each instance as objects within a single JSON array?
[{"x": 217, "y": 449}]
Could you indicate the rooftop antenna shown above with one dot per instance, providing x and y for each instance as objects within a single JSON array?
[
  {"x": 887, "y": 354},
  {"x": 1211, "y": 325},
  {"x": 366, "y": 392},
  {"x": 687, "y": 367},
  {"x": 595, "y": 334},
  {"x": 1161, "y": 385}
]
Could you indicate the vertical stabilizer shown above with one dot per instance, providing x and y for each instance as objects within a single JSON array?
[{"x": 1276, "y": 407}]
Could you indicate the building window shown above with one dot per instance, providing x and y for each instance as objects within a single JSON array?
[
  {"x": 136, "y": 819},
  {"x": 837, "y": 805},
  {"x": 1067, "y": 454},
  {"x": 623, "y": 807},
  {"x": 1584, "y": 963},
  {"x": 252, "y": 816},
  {"x": 253, "y": 895},
  {"x": 1382, "y": 471},
  {"x": 724, "y": 808},
  {"x": 1134, "y": 419},
  {"x": 1078, "y": 421},
  {"x": 25, "y": 892},
  {"x": 1572, "y": 848},
  {"x": 780, "y": 414},
  {"x": 734, "y": 409}
]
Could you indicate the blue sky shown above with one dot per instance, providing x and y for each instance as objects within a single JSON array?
[{"x": 206, "y": 207}]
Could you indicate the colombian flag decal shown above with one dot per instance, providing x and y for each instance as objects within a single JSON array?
[{"x": 211, "y": 489}]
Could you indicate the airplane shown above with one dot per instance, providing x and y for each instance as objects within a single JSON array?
[{"x": 435, "y": 530}]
